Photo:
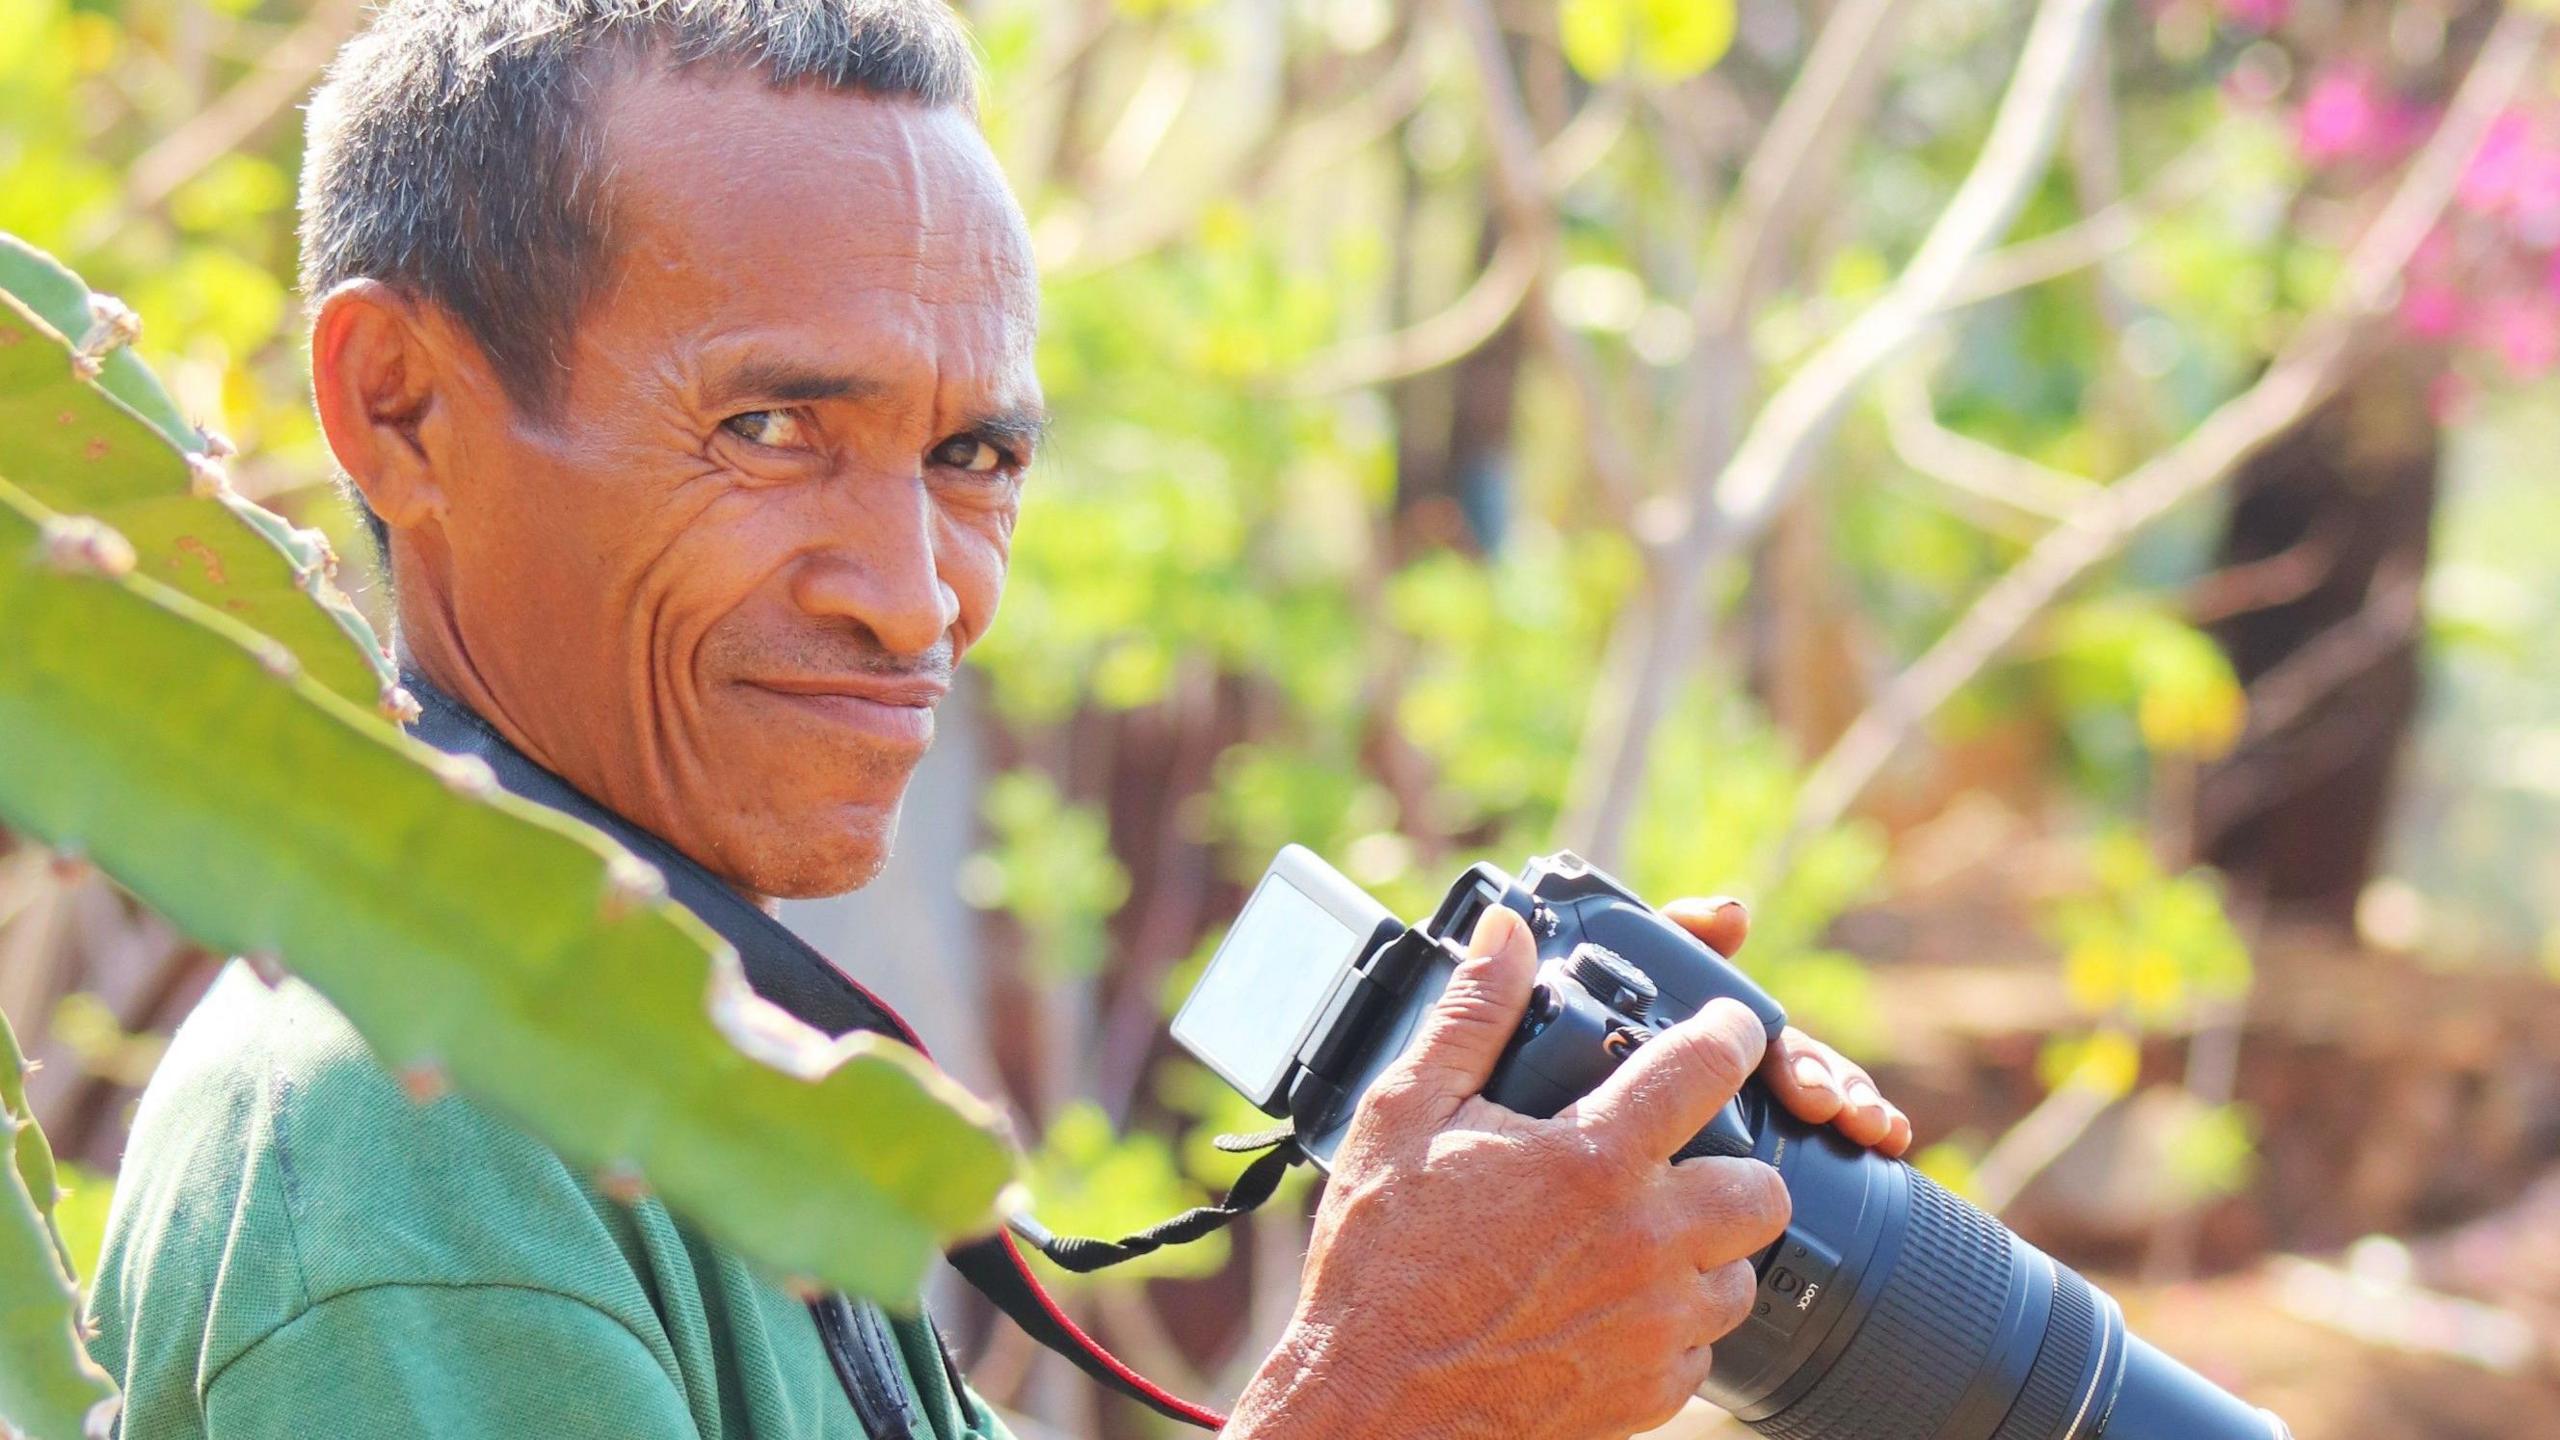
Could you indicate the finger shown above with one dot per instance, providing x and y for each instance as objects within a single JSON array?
[
  {"x": 1474, "y": 1018},
  {"x": 1676, "y": 1082},
  {"x": 1726, "y": 1294},
  {"x": 1730, "y": 1208},
  {"x": 1798, "y": 1071},
  {"x": 1721, "y": 924},
  {"x": 1897, "y": 1137},
  {"x": 1864, "y": 1116}
]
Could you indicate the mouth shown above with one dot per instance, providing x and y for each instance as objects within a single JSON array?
[{"x": 897, "y": 709}]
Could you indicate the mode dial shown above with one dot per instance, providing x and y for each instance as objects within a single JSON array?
[{"x": 1611, "y": 979}]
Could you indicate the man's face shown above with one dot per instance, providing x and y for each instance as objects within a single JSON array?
[{"x": 722, "y": 588}]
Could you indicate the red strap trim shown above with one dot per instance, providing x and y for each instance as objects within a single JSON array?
[
  {"x": 1163, "y": 1399},
  {"x": 1200, "y": 1415}
]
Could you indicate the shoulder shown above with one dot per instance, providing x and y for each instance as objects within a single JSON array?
[{"x": 276, "y": 1165}]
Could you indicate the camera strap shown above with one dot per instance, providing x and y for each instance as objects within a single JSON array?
[
  {"x": 1083, "y": 1254},
  {"x": 787, "y": 970}
]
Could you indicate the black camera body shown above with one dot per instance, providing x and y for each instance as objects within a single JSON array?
[
  {"x": 1890, "y": 1310},
  {"x": 1612, "y": 972}
]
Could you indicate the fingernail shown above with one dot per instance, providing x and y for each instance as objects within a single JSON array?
[
  {"x": 1812, "y": 1074},
  {"x": 1722, "y": 903},
  {"x": 1864, "y": 1095},
  {"x": 1488, "y": 936}
]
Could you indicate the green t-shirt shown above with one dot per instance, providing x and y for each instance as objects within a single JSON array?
[{"x": 297, "y": 1249}]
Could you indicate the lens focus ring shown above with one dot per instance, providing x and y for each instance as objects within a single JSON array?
[
  {"x": 2059, "y": 1383},
  {"x": 1902, "y": 1375}
]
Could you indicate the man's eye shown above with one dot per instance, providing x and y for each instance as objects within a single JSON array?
[
  {"x": 968, "y": 452},
  {"x": 781, "y": 429}
]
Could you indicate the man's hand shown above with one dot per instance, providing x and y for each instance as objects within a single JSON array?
[
  {"x": 1808, "y": 1077},
  {"x": 1476, "y": 1273}
]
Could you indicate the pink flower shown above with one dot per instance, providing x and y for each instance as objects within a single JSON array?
[
  {"x": 2498, "y": 166},
  {"x": 2431, "y": 310},
  {"x": 2261, "y": 15},
  {"x": 2533, "y": 209},
  {"x": 2526, "y": 337},
  {"x": 2343, "y": 118}
]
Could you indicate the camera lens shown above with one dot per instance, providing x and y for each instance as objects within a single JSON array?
[{"x": 1930, "y": 1320}]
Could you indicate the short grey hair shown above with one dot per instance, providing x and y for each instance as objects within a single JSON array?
[{"x": 450, "y": 153}]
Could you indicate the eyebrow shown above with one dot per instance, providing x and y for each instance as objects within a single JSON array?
[
  {"x": 788, "y": 380},
  {"x": 1022, "y": 426}
]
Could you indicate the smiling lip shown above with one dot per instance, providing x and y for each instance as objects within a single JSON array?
[{"x": 890, "y": 708}]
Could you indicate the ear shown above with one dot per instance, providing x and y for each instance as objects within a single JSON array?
[{"x": 376, "y": 378}]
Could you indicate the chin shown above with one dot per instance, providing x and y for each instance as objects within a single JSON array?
[{"x": 831, "y": 853}]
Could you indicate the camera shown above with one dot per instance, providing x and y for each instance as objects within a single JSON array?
[{"x": 1891, "y": 1309}]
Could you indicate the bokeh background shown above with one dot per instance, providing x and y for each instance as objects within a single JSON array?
[{"x": 2113, "y": 649}]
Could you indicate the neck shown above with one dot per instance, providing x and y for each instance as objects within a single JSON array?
[
  {"x": 436, "y": 696},
  {"x": 430, "y": 646}
]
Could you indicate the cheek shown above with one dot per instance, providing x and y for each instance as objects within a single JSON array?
[{"x": 971, "y": 549}]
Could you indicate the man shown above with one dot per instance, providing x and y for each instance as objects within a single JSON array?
[{"x": 681, "y": 354}]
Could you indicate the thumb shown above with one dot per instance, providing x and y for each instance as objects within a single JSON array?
[{"x": 1474, "y": 1018}]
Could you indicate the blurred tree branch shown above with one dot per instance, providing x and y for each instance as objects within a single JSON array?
[
  {"x": 280, "y": 80},
  {"x": 2303, "y": 373},
  {"x": 1440, "y": 339},
  {"x": 1961, "y": 463},
  {"x": 1287, "y": 154},
  {"x": 1658, "y": 638},
  {"x": 1524, "y": 201},
  {"x": 1789, "y": 169}
]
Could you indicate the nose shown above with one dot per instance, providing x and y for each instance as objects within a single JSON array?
[{"x": 879, "y": 568}]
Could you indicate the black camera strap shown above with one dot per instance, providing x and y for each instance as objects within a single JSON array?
[
  {"x": 1084, "y": 1254},
  {"x": 786, "y": 970}
]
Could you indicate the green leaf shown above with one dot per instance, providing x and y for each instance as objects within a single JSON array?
[
  {"x": 1051, "y": 868},
  {"x": 33, "y": 1157},
  {"x": 464, "y": 932},
  {"x": 49, "y": 1388},
  {"x": 2186, "y": 699},
  {"x": 1093, "y": 1182},
  {"x": 115, "y": 447},
  {"x": 2213, "y": 1151}
]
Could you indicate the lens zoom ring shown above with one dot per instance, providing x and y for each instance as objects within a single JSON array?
[
  {"x": 2054, "y": 1386},
  {"x": 1900, "y": 1376}
]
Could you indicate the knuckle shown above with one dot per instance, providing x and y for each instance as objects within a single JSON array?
[
  {"x": 1469, "y": 1009},
  {"x": 1657, "y": 1230},
  {"x": 1584, "y": 1163},
  {"x": 1397, "y": 1100}
]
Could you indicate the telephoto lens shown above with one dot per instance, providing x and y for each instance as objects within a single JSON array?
[
  {"x": 1893, "y": 1310},
  {"x": 1890, "y": 1310}
]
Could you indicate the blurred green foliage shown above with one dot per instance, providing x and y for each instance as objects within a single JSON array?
[{"x": 1222, "y": 555}]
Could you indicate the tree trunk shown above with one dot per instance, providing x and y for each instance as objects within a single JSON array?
[{"x": 2315, "y": 602}]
